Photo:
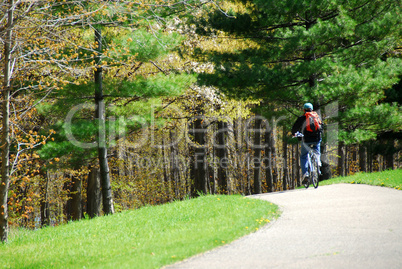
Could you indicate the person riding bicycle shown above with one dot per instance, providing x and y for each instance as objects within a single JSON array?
[{"x": 312, "y": 132}]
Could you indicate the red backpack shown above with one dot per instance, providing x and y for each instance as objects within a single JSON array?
[{"x": 313, "y": 122}]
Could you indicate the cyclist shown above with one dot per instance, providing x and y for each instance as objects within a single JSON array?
[{"x": 311, "y": 137}]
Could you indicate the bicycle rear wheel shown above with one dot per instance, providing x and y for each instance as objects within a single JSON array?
[
  {"x": 314, "y": 170},
  {"x": 307, "y": 183}
]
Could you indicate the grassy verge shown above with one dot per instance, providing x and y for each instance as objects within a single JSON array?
[
  {"x": 389, "y": 178},
  {"x": 149, "y": 237}
]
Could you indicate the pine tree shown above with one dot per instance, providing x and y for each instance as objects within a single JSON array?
[
  {"x": 322, "y": 52},
  {"x": 128, "y": 83}
]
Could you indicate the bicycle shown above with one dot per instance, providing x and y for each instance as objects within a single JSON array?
[{"x": 313, "y": 164}]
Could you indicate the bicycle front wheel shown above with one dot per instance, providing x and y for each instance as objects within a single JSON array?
[{"x": 314, "y": 171}]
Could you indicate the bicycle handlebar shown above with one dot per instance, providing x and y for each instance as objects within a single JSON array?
[{"x": 298, "y": 134}]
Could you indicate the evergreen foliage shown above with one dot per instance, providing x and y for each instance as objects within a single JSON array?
[
  {"x": 153, "y": 125},
  {"x": 131, "y": 92},
  {"x": 317, "y": 51}
]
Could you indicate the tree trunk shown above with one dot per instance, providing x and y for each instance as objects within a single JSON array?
[
  {"x": 237, "y": 154},
  {"x": 346, "y": 159},
  {"x": 353, "y": 159},
  {"x": 326, "y": 172},
  {"x": 94, "y": 195},
  {"x": 341, "y": 159},
  {"x": 295, "y": 166},
  {"x": 257, "y": 156},
  {"x": 76, "y": 198},
  {"x": 212, "y": 171},
  {"x": 174, "y": 164},
  {"x": 379, "y": 163},
  {"x": 67, "y": 205},
  {"x": 222, "y": 163},
  {"x": 297, "y": 161},
  {"x": 44, "y": 204},
  {"x": 363, "y": 158},
  {"x": 275, "y": 170},
  {"x": 268, "y": 159},
  {"x": 389, "y": 161},
  {"x": 100, "y": 116},
  {"x": 231, "y": 152},
  {"x": 5, "y": 137},
  {"x": 166, "y": 181},
  {"x": 285, "y": 160},
  {"x": 389, "y": 153},
  {"x": 199, "y": 162},
  {"x": 370, "y": 157},
  {"x": 248, "y": 169}
]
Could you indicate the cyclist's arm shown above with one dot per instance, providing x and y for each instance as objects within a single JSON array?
[{"x": 298, "y": 124}]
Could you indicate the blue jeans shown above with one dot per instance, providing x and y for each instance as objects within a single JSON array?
[{"x": 304, "y": 154}]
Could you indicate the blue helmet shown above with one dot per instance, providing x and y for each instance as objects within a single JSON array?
[{"x": 308, "y": 106}]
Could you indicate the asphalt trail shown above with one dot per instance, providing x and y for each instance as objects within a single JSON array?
[{"x": 336, "y": 226}]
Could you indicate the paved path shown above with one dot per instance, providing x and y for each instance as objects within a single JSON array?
[{"x": 337, "y": 226}]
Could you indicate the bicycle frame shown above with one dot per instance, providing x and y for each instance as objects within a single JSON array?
[
  {"x": 313, "y": 167},
  {"x": 312, "y": 161}
]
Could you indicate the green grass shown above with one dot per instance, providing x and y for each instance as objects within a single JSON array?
[
  {"x": 389, "y": 178},
  {"x": 150, "y": 237}
]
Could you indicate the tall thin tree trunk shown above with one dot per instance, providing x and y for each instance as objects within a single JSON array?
[
  {"x": 167, "y": 181},
  {"x": 363, "y": 158},
  {"x": 341, "y": 159},
  {"x": 165, "y": 165},
  {"x": 275, "y": 170},
  {"x": 67, "y": 205},
  {"x": 212, "y": 171},
  {"x": 285, "y": 160},
  {"x": 44, "y": 204},
  {"x": 76, "y": 198},
  {"x": 94, "y": 195},
  {"x": 268, "y": 159},
  {"x": 389, "y": 153},
  {"x": 5, "y": 166},
  {"x": 199, "y": 164},
  {"x": 230, "y": 151},
  {"x": 294, "y": 177},
  {"x": 346, "y": 160},
  {"x": 237, "y": 154},
  {"x": 379, "y": 162},
  {"x": 174, "y": 163},
  {"x": 370, "y": 158},
  {"x": 100, "y": 116},
  {"x": 353, "y": 159},
  {"x": 248, "y": 169},
  {"x": 297, "y": 161},
  {"x": 221, "y": 150},
  {"x": 257, "y": 156},
  {"x": 5, "y": 137}
]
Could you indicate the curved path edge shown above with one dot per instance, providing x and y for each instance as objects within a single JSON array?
[{"x": 335, "y": 226}]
